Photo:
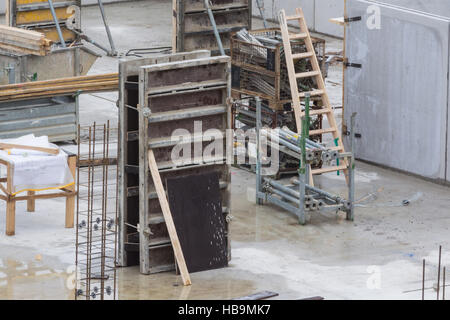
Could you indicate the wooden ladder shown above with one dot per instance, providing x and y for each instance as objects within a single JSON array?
[{"x": 319, "y": 92}]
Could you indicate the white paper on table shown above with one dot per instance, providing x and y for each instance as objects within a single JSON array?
[{"x": 36, "y": 170}]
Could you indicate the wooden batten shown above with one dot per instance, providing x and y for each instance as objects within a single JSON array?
[
  {"x": 24, "y": 41},
  {"x": 59, "y": 87}
]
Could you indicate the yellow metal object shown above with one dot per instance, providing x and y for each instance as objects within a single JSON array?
[
  {"x": 38, "y": 16},
  {"x": 23, "y": 2},
  {"x": 44, "y": 189},
  {"x": 52, "y": 34}
]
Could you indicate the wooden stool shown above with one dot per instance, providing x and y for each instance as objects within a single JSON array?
[{"x": 31, "y": 196}]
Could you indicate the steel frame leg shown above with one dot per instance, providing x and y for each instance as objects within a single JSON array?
[
  {"x": 301, "y": 204},
  {"x": 351, "y": 171},
  {"x": 258, "y": 152}
]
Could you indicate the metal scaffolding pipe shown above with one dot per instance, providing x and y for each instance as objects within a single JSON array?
[
  {"x": 317, "y": 190},
  {"x": 58, "y": 27}
]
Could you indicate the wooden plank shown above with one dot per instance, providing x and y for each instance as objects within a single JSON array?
[
  {"x": 43, "y": 196},
  {"x": 70, "y": 200},
  {"x": 298, "y": 36},
  {"x": 10, "y": 203},
  {"x": 24, "y": 41},
  {"x": 4, "y": 145},
  {"x": 307, "y": 74},
  {"x": 59, "y": 81},
  {"x": 329, "y": 169},
  {"x": 174, "y": 25},
  {"x": 10, "y": 217},
  {"x": 321, "y": 131},
  {"x": 168, "y": 218},
  {"x": 339, "y": 21},
  {"x": 59, "y": 87},
  {"x": 3, "y": 188},
  {"x": 302, "y": 55},
  {"x": 7, "y": 13},
  {"x": 31, "y": 202}
]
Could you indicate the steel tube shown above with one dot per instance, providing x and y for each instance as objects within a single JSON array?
[
  {"x": 351, "y": 171},
  {"x": 439, "y": 272},
  {"x": 108, "y": 32},
  {"x": 286, "y": 189},
  {"x": 58, "y": 27},
  {"x": 213, "y": 23},
  {"x": 423, "y": 280},
  {"x": 282, "y": 194},
  {"x": 320, "y": 191},
  {"x": 258, "y": 149}
]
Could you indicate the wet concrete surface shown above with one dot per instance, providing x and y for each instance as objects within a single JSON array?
[{"x": 378, "y": 256}]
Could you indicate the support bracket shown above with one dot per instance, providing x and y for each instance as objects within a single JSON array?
[{"x": 352, "y": 19}]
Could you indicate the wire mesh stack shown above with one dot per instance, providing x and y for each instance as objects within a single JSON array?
[
  {"x": 259, "y": 66},
  {"x": 96, "y": 235}
]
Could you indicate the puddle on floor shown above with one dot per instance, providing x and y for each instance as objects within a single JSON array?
[
  {"x": 32, "y": 279},
  {"x": 212, "y": 284}
]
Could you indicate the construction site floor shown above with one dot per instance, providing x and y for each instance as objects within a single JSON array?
[{"x": 378, "y": 256}]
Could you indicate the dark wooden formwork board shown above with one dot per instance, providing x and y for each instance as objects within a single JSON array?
[{"x": 195, "y": 202}]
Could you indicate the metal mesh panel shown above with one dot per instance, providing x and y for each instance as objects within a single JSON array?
[{"x": 259, "y": 64}]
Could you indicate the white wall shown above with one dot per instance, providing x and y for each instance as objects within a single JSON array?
[
  {"x": 401, "y": 102},
  {"x": 317, "y": 13}
]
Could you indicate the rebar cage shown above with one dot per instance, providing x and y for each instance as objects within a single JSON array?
[{"x": 96, "y": 222}]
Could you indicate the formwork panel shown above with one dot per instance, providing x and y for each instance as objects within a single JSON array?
[
  {"x": 172, "y": 81},
  {"x": 192, "y": 29},
  {"x": 401, "y": 91},
  {"x": 128, "y": 155}
]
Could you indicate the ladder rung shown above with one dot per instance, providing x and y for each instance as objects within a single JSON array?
[
  {"x": 322, "y": 131},
  {"x": 328, "y": 169},
  {"x": 312, "y": 93},
  {"x": 294, "y": 17},
  {"x": 298, "y": 36},
  {"x": 338, "y": 148},
  {"x": 302, "y": 55},
  {"x": 316, "y": 112},
  {"x": 307, "y": 74}
]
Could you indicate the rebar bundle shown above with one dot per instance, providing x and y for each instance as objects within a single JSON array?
[{"x": 96, "y": 213}]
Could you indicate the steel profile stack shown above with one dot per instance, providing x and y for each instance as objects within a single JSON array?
[{"x": 301, "y": 197}]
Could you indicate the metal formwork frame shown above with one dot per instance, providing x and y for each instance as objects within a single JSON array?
[
  {"x": 128, "y": 139},
  {"x": 191, "y": 23},
  {"x": 157, "y": 120}
]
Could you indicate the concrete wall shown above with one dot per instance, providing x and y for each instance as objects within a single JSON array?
[
  {"x": 317, "y": 12},
  {"x": 436, "y": 7},
  {"x": 401, "y": 93}
]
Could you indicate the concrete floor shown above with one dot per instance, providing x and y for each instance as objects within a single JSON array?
[{"x": 378, "y": 256}]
